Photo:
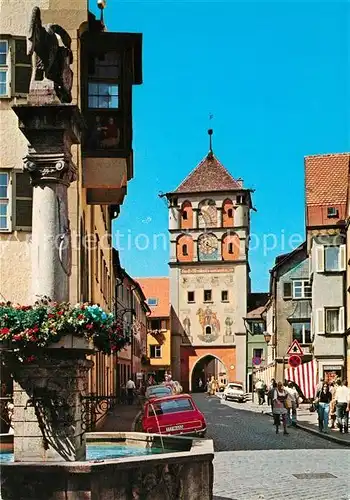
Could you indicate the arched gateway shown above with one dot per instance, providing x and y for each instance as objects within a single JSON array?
[{"x": 204, "y": 368}]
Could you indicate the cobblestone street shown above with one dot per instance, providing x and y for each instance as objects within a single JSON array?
[{"x": 253, "y": 463}]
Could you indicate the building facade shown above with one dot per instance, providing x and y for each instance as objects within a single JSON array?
[
  {"x": 159, "y": 355},
  {"x": 209, "y": 224},
  {"x": 104, "y": 166},
  {"x": 326, "y": 203},
  {"x": 291, "y": 293}
]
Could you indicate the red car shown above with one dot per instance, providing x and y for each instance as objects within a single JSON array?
[{"x": 173, "y": 415}]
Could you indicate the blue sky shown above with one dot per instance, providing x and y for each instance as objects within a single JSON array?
[{"x": 275, "y": 77}]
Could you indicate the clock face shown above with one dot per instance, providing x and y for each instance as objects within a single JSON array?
[
  {"x": 208, "y": 244},
  {"x": 207, "y": 215}
]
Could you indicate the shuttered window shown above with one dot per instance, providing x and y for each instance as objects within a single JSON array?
[
  {"x": 22, "y": 67},
  {"x": 24, "y": 202},
  {"x": 287, "y": 290},
  {"x": 15, "y": 67}
]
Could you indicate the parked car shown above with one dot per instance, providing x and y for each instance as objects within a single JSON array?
[
  {"x": 157, "y": 391},
  {"x": 173, "y": 415},
  {"x": 234, "y": 392}
]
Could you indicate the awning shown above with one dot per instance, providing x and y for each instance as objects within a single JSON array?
[
  {"x": 305, "y": 376},
  {"x": 265, "y": 374}
]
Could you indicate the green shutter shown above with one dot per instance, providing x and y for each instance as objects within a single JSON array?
[{"x": 24, "y": 201}]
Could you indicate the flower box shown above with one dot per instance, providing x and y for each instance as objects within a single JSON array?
[{"x": 73, "y": 342}]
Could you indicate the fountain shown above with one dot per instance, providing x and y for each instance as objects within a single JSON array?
[{"x": 53, "y": 457}]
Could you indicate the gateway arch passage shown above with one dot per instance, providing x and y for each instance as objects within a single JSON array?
[{"x": 205, "y": 368}]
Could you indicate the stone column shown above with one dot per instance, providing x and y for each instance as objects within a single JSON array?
[{"x": 51, "y": 130}]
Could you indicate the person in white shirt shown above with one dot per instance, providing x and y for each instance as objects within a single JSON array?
[
  {"x": 342, "y": 399},
  {"x": 294, "y": 404},
  {"x": 130, "y": 387}
]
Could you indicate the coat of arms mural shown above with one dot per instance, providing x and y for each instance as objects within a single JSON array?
[{"x": 209, "y": 323}]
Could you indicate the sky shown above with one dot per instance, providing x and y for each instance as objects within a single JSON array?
[{"x": 274, "y": 75}]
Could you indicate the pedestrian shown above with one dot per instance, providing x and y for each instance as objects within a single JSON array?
[
  {"x": 332, "y": 407},
  {"x": 130, "y": 387},
  {"x": 323, "y": 400},
  {"x": 342, "y": 398},
  {"x": 294, "y": 404},
  {"x": 279, "y": 407},
  {"x": 200, "y": 384},
  {"x": 270, "y": 393},
  {"x": 260, "y": 389}
]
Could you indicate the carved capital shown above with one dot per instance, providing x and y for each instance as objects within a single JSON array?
[{"x": 46, "y": 169}]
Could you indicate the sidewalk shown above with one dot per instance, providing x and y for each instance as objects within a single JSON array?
[
  {"x": 306, "y": 420},
  {"x": 122, "y": 418}
]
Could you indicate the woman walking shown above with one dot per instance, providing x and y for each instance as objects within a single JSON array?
[
  {"x": 323, "y": 399},
  {"x": 279, "y": 407}
]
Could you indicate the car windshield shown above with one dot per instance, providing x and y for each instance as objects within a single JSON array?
[
  {"x": 158, "y": 391},
  {"x": 171, "y": 406},
  {"x": 236, "y": 387}
]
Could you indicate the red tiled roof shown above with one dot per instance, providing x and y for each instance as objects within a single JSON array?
[
  {"x": 157, "y": 288},
  {"x": 326, "y": 178},
  {"x": 209, "y": 175}
]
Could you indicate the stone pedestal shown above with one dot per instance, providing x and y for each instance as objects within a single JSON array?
[
  {"x": 47, "y": 421},
  {"x": 51, "y": 130}
]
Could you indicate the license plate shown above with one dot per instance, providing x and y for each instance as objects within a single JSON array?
[{"x": 174, "y": 428}]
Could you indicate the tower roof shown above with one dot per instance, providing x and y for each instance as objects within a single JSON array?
[{"x": 209, "y": 175}]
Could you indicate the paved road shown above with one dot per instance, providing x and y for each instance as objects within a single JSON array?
[
  {"x": 234, "y": 428},
  {"x": 252, "y": 463}
]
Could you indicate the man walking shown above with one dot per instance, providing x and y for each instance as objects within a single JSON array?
[
  {"x": 342, "y": 400},
  {"x": 130, "y": 387}
]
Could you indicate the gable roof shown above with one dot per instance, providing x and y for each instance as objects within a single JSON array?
[
  {"x": 209, "y": 175},
  {"x": 326, "y": 178},
  {"x": 157, "y": 288}
]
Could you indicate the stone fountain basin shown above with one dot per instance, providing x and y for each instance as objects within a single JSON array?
[{"x": 183, "y": 472}]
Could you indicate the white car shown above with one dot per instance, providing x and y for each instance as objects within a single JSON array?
[{"x": 234, "y": 392}]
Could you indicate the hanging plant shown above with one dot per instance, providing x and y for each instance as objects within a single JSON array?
[{"x": 46, "y": 322}]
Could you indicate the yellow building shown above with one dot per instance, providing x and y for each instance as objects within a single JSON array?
[
  {"x": 94, "y": 199},
  {"x": 156, "y": 291}
]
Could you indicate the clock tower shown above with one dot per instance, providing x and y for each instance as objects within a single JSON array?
[{"x": 209, "y": 224}]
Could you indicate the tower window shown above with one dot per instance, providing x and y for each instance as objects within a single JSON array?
[
  {"x": 190, "y": 296},
  {"x": 240, "y": 199},
  {"x": 230, "y": 248},
  {"x": 208, "y": 330},
  {"x": 230, "y": 213},
  {"x": 184, "y": 250},
  {"x": 184, "y": 215},
  {"x": 207, "y": 296},
  {"x": 224, "y": 296}
]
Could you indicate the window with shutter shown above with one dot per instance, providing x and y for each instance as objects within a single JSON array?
[
  {"x": 24, "y": 202},
  {"x": 287, "y": 290},
  {"x": 5, "y": 201},
  {"x": 22, "y": 67},
  {"x": 341, "y": 320}
]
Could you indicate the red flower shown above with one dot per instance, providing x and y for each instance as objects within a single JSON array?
[
  {"x": 30, "y": 359},
  {"x": 35, "y": 329},
  {"x": 17, "y": 337},
  {"x": 50, "y": 316},
  {"x": 4, "y": 331},
  {"x": 89, "y": 326},
  {"x": 81, "y": 316},
  {"x": 60, "y": 312}
]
